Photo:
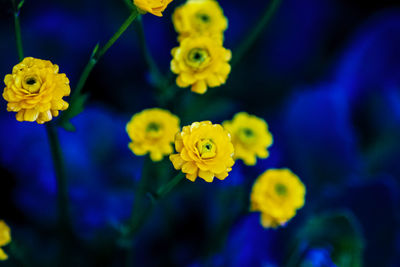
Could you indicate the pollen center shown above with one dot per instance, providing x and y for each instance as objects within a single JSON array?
[
  {"x": 206, "y": 148},
  {"x": 203, "y": 18},
  {"x": 153, "y": 130},
  {"x": 31, "y": 83},
  {"x": 247, "y": 135},
  {"x": 280, "y": 189},
  {"x": 198, "y": 58}
]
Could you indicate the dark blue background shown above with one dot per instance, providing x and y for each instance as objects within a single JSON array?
[{"x": 325, "y": 75}]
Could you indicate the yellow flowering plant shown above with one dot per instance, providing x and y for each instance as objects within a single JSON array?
[
  {"x": 152, "y": 131},
  {"x": 204, "y": 150},
  {"x": 35, "y": 90},
  {"x": 155, "y": 7},
  {"x": 277, "y": 194},
  {"x": 200, "y": 62},
  {"x": 250, "y": 137},
  {"x": 5, "y": 238},
  {"x": 200, "y": 17}
]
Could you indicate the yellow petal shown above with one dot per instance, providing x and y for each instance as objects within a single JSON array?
[
  {"x": 199, "y": 87},
  {"x": 267, "y": 221},
  {"x": 156, "y": 156},
  {"x": 137, "y": 149},
  {"x": 189, "y": 167},
  {"x": 20, "y": 115},
  {"x": 3, "y": 255},
  {"x": 31, "y": 114},
  {"x": 185, "y": 155},
  {"x": 191, "y": 177},
  {"x": 45, "y": 116},
  {"x": 177, "y": 161},
  {"x": 206, "y": 175},
  {"x": 221, "y": 175}
]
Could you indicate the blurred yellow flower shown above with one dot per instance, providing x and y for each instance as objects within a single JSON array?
[
  {"x": 250, "y": 137},
  {"x": 35, "y": 90},
  {"x": 155, "y": 7},
  {"x": 200, "y": 62},
  {"x": 200, "y": 17},
  {"x": 152, "y": 131},
  {"x": 277, "y": 194},
  {"x": 5, "y": 238},
  {"x": 204, "y": 150}
]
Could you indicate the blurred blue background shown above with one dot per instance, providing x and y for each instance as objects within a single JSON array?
[{"x": 325, "y": 75}]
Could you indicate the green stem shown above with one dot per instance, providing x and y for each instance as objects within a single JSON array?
[
  {"x": 142, "y": 210},
  {"x": 97, "y": 54},
  {"x": 18, "y": 31},
  {"x": 154, "y": 70},
  {"x": 118, "y": 34},
  {"x": 165, "y": 189},
  {"x": 62, "y": 185},
  {"x": 138, "y": 218},
  {"x": 248, "y": 42}
]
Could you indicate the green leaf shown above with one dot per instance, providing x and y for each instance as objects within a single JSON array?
[
  {"x": 95, "y": 50},
  {"x": 77, "y": 105},
  {"x": 338, "y": 230},
  {"x": 20, "y": 5}
]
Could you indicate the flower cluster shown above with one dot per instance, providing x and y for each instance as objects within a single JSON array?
[
  {"x": 152, "y": 131},
  {"x": 35, "y": 90},
  {"x": 200, "y": 61},
  {"x": 277, "y": 194},
  {"x": 5, "y": 238},
  {"x": 250, "y": 137},
  {"x": 155, "y": 7},
  {"x": 204, "y": 150}
]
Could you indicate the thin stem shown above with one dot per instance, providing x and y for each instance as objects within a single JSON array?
[
  {"x": 142, "y": 210},
  {"x": 18, "y": 32},
  {"x": 138, "y": 219},
  {"x": 248, "y": 42},
  {"x": 62, "y": 185},
  {"x": 98, "y": 53},
  {"x": 154, "y": 70},
  {"x": 118, "y": 34},
  {"x": 165, "y": 189}
]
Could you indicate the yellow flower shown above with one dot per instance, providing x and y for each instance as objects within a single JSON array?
[
  {"x": 200, "y": 17},
  {"x": 155, "y": 7},
  {"x": 204, "y": 150},
  {"x": 35, "y": 90},
  {"x": 152, "y": 131},
  {"x": 250, "y": 137},
  {"x": 277, "y": 194},
  {"x": 5, "y": 238},
  {"x": 200, "y": 62}
]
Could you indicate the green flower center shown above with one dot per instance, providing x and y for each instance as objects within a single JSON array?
[
  {"x": 203, "y": 18},
  {"x": 247, "y": 135},
  {"x": 31, "y": 83},
  {"x": 206, "y": 148},
  {"x": 281, "y": 190},
  {"x": 153, "y": 130},
  {"x": 198, "y": 58}
]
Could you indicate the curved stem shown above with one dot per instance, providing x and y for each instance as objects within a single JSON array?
[
  {"x": 18, "y": 30},
  {"x": 94, "y": 58},
  {"x": 248, "y": 42},
  {"x": 118, "y": 34},
  {"x": 142, "y": 211},
  {"x": 165, "y": 189},
  {"x": 62, "y": 186},
  {"x": 154, "y": 70},
  {"x": 138, "y": 218}
]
